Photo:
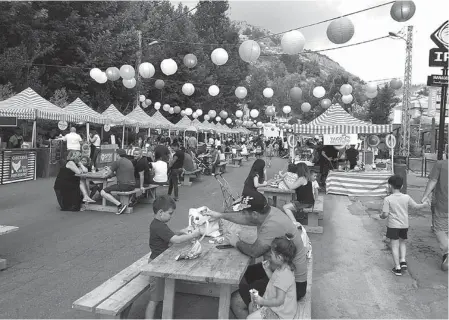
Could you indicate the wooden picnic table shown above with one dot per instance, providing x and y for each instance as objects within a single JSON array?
[
  {"x": 222, "y": 268},
  {"x": 279, "y": 197},
  {"x": 97, "y": 177}
]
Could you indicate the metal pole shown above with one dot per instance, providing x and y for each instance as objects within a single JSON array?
[
  {"x": 139, "y": 60},
  {"x": 442, "y": 118}
]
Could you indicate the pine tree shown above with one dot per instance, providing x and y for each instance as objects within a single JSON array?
[{"x": 381, "y": 106}]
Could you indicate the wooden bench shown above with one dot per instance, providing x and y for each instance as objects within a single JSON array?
[
  {"x": 237, "y": 162},
  {"x": 5, "y": 230},
  {"x": 190, "y": 174},
  {"x": 125, "y": 196},
  {"x": 245, "y": 156},
  {"x": 315, "y": 214},
  {"x": 304, "y": 308},
  {"x": 221, "y": 167}
]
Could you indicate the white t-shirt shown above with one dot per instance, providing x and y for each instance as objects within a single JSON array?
[
  {"x": 73, "y": 141},
  {"x": 160, "y": 171},
  {"x": 217, "y": 142},
  {"x": 211, "y": 141},
  {"x": 97, "y": 142}
]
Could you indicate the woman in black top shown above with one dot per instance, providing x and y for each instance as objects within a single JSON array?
[{"x": 256, "y": 178}]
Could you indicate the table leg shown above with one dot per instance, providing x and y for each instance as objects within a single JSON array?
[
  {"x": 275, "y": 201},
  {"x": 224, "y": 304},
  {"x": 103, "y": 200},
  {"x": 169, "y": 299}
]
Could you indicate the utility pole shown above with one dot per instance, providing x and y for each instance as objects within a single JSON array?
[
  {"x": 404, "y": 146},
  {"x": 442, "y": 118},
  {"x": 139, "y": 61}
]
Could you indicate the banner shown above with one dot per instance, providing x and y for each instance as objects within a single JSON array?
[
  {"x": 339, "y": 139},
  {"x": 19, "y": 166}
]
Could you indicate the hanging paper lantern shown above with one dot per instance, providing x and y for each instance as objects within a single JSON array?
[
  {"x": 146, "y": 70},
  {"x": 213, "y": 90},
  {"x": 207, "y": 117},
  {"x": 270, "y": 111},
  {"x": 254, "y": 113},
  {"x": 287, "y": 109},
  {"x": 238, "y": 122},
  {"x": 239, "y": 113},
  {"x": 183, "y": 113},
  {"x": 241, "y": 92},
  {"x": 402, "y": 11},
  {"x": 190, "y": 60},
  {"x": 395, "y": 84},
  {"x": 144, "y": 105},
  {"x": 340, "y": 31},
  {"x": 347, "y": 99},
  {"x": 199, "y": 112},
  {"x": 293, "y": 42},
  {"x": 159, "y": 84},
  {"x": 218, "y": 119},
  {"x": 219, "y": 56},
  {"x": 212, "y": 113},
  {"x": 189, "y": 111},
  {"x": 305, "y": 107},
  {"x": 129, "y": 83},
  {"x": 141, "y": 98},
  {"x": 223, "y": 114},
  {"x": 268, "y": 92},
  {"x": 113, "y": 73},
  {"x": 177, "y": 109},
  {"x": 195, "y": 115},
  {"x": 95, "y": 73},
  {"x": 148, "y": 101},
  {"x": 325, "y": 103},
  {"x": 295, "y": 93},
  {"x": 371, "y": 95},
  {"x": 260, "y": 124},
  {"x": 171, "y": 110},
  {"x": 188, "y": 89},
  {"x": 127, "y": 72},
  {"x": 371, "y": 87},
  {"x": 102, "y": 78},
  {"x": 346, "y": 89},
  {"x": 228, "y": 120},
  {"x": 319, "y": 92},
  {"x": 166, "y": 107},
  {"x": 169, "y": 67},
  {"x": 157, "y": 105},
  {"x": 249, "y": 51}
]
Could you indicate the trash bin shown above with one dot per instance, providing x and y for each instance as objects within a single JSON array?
[{"x": 400, "y": 169}]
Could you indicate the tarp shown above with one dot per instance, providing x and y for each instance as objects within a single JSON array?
[
  {"x": 117, "y": 117},
  {"x": 164, "y": 123},
  {"x": 29, "y": 105},
  {"x": 183, "y": 124},
  {"x": 337, "y": 120},
  {"x": 85, "y": 112},
  {"x": 209, "y": 126},
  {"x": 143, "y": 119}
]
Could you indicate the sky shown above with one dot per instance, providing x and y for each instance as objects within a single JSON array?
[{"x": 382, "y": 59}]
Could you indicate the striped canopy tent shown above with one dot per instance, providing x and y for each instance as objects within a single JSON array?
[
  {"x": 117, "y": 117},
  {"x": 199, "y": 125},
  {"x": 86, "y": 113},
  {"x": 209, "y": 126},
  {"x": 222, "y": 128},
  {"x": 143, "y": 119},
  {"x": 336, "y": 120},
  {"x": 164, "y": 123},
  {"x": 184, "y": 123},
  {"x": 29, "y": 105}
]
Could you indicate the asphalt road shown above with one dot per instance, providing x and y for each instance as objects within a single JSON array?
[{"x": 57, "y": 257}]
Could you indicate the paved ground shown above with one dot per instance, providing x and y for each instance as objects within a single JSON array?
[{"x": 56, "y": 257}]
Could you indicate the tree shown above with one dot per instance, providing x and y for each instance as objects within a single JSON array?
[
  {"x": 6, "y": 91},
  {"x": 380, "y": 107},
  {"x": 60, "y": 98}
]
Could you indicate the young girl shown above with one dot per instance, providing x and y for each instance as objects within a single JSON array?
[
  {"x": 289, "y": 177},
  {"x": 270, "y": 150},
  {"x": 221, "y": 155},
  {"x": 279, "y": 300},
  {"x": 256, "y": 178}
]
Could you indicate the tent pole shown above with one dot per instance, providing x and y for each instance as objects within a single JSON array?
[
  {"x": 33, "y": 135},
  {"x": 123, "y": 137},
  {"x": 87, "y": 131}
]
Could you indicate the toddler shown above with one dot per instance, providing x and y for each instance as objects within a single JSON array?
[{"x": 289, "y": 177}]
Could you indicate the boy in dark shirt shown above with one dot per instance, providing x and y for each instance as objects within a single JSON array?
[
  {"x": 161, "y": 238},
  {"x": 351, "y": 155}
]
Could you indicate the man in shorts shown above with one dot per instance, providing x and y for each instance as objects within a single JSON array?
[
  {"x": 123, "y": 169},
  {"x": 438, "y": 184}
]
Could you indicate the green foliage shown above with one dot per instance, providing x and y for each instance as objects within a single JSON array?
[{"x": 380, "y": 107}]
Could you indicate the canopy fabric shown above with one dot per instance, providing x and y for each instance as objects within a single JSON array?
[
  {"x": 208, "y": 126},
  {"x": 117, "y": 117},
  {"x": 191, "y": 128},
  {"x": 143, "y": 119},
  {"x": 337, "y": 120},
  {"x": 221, "y": 128},
  {"x": 29, "y": 105},
  {"x": 86, "y": 113},
  {"x": 164, "y": 123},
  {"x": 184, "y": 123}
]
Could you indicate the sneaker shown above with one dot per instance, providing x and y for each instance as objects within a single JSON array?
[
  {"x": 397, "y": 272},
  {"x": 122, "y": 208},
  {"x": 403, "y": 266},
  {"x": 176, "y": 199},
  {"x": 444, "y": 265}
]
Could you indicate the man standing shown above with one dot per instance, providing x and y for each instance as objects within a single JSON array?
[
  {"x": 73, "y": 140},
  {"x": 95, "y": 143},
  {"x": 141, "y": 170},
  {"x": 124, "y": 171},
  {"x": 438, "y": 184},
  {"x": 351, "y": 155},
  {"x": 15, "y": 141},
  {"x": 161, "y": 151},
  {"x": 192, "y": 143},
  {"x": 175, "y": 166}
]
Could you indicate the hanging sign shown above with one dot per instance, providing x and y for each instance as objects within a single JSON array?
[
  {"x": 390, "y": 141},
  {"x": 62, "y": 125},
  {"x": 107, "y": 127},
  {"x": 19, "y": 166},
  {"x": 8, "y": 121},
  {"x": 339, "y": 139},
  {"x": 437, "y": 80},
  {"x": 439, "y": 57}
]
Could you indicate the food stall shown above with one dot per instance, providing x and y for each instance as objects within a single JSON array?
[{"x": 364, "y": 180}]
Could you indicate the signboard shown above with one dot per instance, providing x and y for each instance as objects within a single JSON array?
[
  {"x": 339, "y": 139},
  {"x": 438, "y": 57},
  {"x": 390, "y": 141},
  {"x": 62, "y": 125},
  {"x": 19, "y": 166},
  {"x": 437, "y": 80},
  {"x": 8, "y": 122}
]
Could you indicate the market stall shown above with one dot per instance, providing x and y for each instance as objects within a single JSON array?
[{"x": 118, "y": 118}]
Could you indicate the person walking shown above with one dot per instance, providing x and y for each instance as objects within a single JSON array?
[{"x": 438, "y": 185}]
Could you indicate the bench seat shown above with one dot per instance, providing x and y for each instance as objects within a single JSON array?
[
  {"x": 125, "y": 196},
  {"x": 5, "y": 230},
  {"x": 189, "y": 175}
]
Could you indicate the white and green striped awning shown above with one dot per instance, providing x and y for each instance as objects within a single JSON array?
[
  {"x": 117, "y": 117},
  {"x": 184, "y": 123},
  {"x": 85, "y": 113},
  {"x": 164, "y": 123},
  {"x": 143, "y": 119}
]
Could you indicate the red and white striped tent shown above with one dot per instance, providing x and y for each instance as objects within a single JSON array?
[
  {"x": 164, "y": 123},
  {"x": 143, "y": 119},
  {"x": 117, "y": 117},
  {"x": 86, "y": 113},
  {"x": 336, "y": 120},
  {"x": 184, "y": 123}
]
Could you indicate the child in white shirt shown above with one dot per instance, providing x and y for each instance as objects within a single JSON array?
[{"x": 288, "y": 177}]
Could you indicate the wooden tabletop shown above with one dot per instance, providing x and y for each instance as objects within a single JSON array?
[
  {"x": 94, "y": 175},
  {"x": 225, "y": 266},
  {"x": 275, "y": 190},
  {"x": 7, "y": 229}
]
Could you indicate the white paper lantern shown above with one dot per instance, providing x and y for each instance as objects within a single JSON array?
[
  {"x": 346, "y": 89},
  {"x": 395, "y": 84},
  {"x": 223, "y": 114},
  {"x": 146, "y": 70},
  {"x": 177, "y": 109},
  {"x": 166, "y": 107},
  {"x": 270, "y": 111},
  {"x": 239, "y": 113},
  {"x": 127, "y": 72},
  {"x": 241, "y": 92},
  {"x": 326, "y": 103},
  {"x": 188, "y": 89},
  {"x": 194, "y": 115},
  {"x": 102, "y": 78},
  {"x": 171, "y": 110},
  {"x": 129, "y": 83},
  {"x": 319, "y": 92},
  {"x": 249, "y": 51},
  {"x": 305, "y": 107},
  {"x": 268, "y": 92},
  {"x": 347, "y": 99},
  {"x": 260, "y": 124},
  {"x": 199, "y": 112},
  {"x": 340, "y": 31},
  {"x": 214, "y": 90},
  {"x": 295, "y": 94},
  {"x": 228, "y": 120},
  {"x": 157, "y": 105},
  {"x": 148, "y": 102},
  {"x": 287, "y": 109},
  {"x": 144, "y": 105},
  {"x": 254, "y": 113},
  {"x": 371, "y": 95},
  {"x": 113, "y": 73},
  {"x": 212, "y": 113},
  {"x": 207, "y": 117},
  {"x": 189, "y": 111},
  {"x": 169, "y": 67},
  {"x": 183, "y": 113},
  {"x": 293, "y": 42},
  {"x": 218, "y": 119},
  {"x": 141, "y": 98},
  {"x": 190, "y": 60},
  {"x": 402, "y": 11},
  {"x": 219, "y": 56},
  {"x": 371, "y": 87}
]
